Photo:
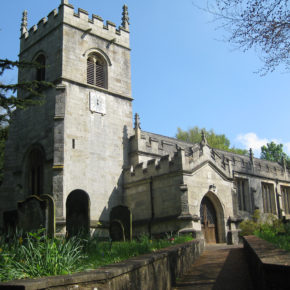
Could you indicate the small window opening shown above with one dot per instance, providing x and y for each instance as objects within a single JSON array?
[
  {"x": 40, "y": 71},
  {"x": 35, "y": 172},
  {"x": 73, "y": 143}
]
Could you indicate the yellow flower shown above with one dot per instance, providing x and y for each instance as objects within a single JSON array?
[
  {"x": 1, "y": 250},
  {"x": 20, "y": 240}
]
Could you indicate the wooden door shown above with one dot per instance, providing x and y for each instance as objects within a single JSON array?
[{"x": 208, "y": 220}]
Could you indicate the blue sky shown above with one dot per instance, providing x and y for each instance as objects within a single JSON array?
[{"x": 183, "y": 75}]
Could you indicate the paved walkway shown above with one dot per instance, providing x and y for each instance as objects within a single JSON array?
[{"x": 220, "y": 267}]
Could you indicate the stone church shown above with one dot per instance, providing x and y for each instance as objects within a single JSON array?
[{"x": 81, "y": 153}]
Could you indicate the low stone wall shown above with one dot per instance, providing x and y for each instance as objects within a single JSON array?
[
  {"x": 269, "y": 266},
  {"x": 153, "y": 271}
]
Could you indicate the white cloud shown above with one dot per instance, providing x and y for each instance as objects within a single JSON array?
[
  {"x": 287, "y": 148},
  {"x": 251, "y": 140}
]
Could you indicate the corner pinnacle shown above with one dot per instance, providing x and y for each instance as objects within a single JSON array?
[
  {"x": 125, "y": 17},
  {"x": 23, "y": 28}
]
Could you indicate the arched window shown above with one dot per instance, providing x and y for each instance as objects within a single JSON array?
[
  {"x": 35, "y": 172},
  {"x": 97, "y": 71},
  {"x": 40, "y": 71}
]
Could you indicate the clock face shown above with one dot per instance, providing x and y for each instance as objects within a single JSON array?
[{"x": 97, "y": 103}]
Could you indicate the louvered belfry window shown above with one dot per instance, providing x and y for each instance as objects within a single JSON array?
[{"x": 96, "y": 71}]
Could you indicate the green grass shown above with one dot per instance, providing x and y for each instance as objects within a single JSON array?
[{"x": 35, "y": 255}]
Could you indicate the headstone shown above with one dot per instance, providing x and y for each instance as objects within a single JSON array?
[
  {"x": 10, "y": 219},
  {"x": 31, "y": 214},
  {"x": 77, "y": 213},
  {"x": 121, "y": 216},
  {"x": 50, "y": 214},
  {"x": 37, "y": 212},
  {"x": 117, "y": 231}
]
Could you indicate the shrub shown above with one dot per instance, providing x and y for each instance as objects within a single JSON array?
[
  {"x": 271, "y": 229},
  {"x": 248, "y": 227}
]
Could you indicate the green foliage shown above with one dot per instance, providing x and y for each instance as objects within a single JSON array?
[
  {"x": 272, "y": 230},
  {"x": 219, "y": 141},
  {"x": 102, "y": 253},
  {"x": 3, "y": 138},
  {"x": 274, "y": 152},
  {"x": 35, "y": 255},
  {"x": 248, "y": 227},
  {"x": 33, "y": 91},
  {"x": 277, "y": 234}
]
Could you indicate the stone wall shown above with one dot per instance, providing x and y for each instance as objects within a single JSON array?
[
  {"x": 95, "y": 161},
  {"x": 31, "y": 128},
  {"x": 152, "y": 271},
  {"x": 269, "y": 266}
]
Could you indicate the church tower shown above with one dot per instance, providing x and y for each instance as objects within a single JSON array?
[{"x": 73, "y": 146}]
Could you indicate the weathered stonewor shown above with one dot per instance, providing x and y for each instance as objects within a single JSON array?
[
  {"x": 152, "y": 271},
  {"x": 65, "y": 15}
]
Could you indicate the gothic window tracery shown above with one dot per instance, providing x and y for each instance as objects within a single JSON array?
[
  {"x": 242, "y": 190},
  {"x": 268, "y": 194},
  {"x": 285, "y": 190}
]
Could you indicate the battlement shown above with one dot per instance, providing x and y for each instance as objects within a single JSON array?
[
  {"x": 154, "y": 167},
  {"x": 157, "y": 145},
  {"x": 243, "y": 164},
  {"x": 80, "y": 20}
]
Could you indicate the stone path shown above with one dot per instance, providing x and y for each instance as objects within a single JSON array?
[{"x": 220, "y": 267}]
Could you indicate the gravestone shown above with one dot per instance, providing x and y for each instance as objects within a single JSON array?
[
  {"x": 31, "y": 214},
  {"x": 117, "y": 232},
  {"x": 121, "y": 223},
  {"x": 10, "y": 219},
  {"x": 77, "y": 213},
  {"x": 50, "y": 214},
  {"x": 35, "y": 213}
]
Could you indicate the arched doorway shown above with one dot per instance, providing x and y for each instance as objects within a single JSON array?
[
  {"x": 208, "y": 218},
  {"x": 78, "y": 213}
]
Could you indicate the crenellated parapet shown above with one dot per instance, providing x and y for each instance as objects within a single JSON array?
[
  {"x": 80, "y": 20},
  {"x": 147, "y": 146},
  {"x": 253, "y": 166},
  {"x": 156, "y": 167}
]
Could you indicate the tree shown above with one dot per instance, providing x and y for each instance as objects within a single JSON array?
[
  {"x": 214, "y": 140},
  {"x": 274, "y": 152},
  {"x": 32, "y": 90},
  {"x": 263, "y": 25}
]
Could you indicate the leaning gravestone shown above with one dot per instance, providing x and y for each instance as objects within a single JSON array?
[
  {"x": 117, "y": 232},
  {"x": 121, "y": 223},
  {"x": 35, "y": 213},
  {"x": 50, "y": 214}
]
